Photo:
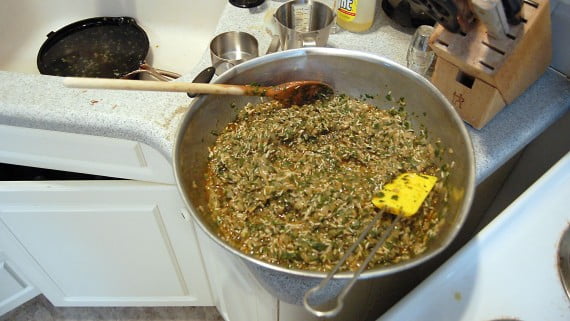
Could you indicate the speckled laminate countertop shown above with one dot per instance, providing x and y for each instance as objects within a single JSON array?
[{"x": 38, "y": 101}]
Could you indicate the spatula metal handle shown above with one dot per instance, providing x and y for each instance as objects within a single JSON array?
[{"x": 331, "y": 312}]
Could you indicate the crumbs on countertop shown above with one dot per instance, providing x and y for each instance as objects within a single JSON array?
[{"x": 171, "y": 119}]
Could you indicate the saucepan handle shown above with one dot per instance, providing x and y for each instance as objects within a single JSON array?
[{"x": 203, "y": 77}]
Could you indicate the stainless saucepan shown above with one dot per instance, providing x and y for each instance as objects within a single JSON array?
[{"x": 352, "y": 73}]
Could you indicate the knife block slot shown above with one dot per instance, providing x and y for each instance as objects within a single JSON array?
[
  {"x": 493, "y": 47},
  {"x": 531, "y": 3},
  {"x": 465, "y": 79},
  {"x": 501, "y": 69}
]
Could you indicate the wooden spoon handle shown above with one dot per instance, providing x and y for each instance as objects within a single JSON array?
[{"x": 174, "y": 86}]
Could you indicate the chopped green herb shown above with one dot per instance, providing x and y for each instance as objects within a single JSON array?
[{"x": 293, "y": 186}]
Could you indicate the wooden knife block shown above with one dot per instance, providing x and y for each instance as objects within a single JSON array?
[{"x": 480, "y": 75}]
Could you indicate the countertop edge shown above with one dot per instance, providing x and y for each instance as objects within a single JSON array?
[{"x": 153, "y": 118}]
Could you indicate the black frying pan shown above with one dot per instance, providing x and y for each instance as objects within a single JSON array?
[{"x": 103, "y": 47}]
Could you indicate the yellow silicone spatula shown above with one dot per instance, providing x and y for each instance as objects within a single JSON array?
[
  {"x": 402, "y": 197},
  {"x": 405, "y": 194}
]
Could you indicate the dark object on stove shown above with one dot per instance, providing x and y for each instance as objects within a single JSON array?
[
  {"x": 406, "y": 13},
  {"x": 246, "y": 3},
  {"x": 441, "y": 11},
  {"x": 513, "y": 11},
  {"x": 105, "y": 47}
]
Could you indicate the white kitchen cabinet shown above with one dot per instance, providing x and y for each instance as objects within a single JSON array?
[
  {"x": 114, "y": 242},
  {"x": 100, "y": 243}
]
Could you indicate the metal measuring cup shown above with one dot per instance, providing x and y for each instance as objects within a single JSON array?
[
  {"x": 227, "y": 50},
  {"x": 304, "y": 23},
  {"x": 231, "y": 48}
]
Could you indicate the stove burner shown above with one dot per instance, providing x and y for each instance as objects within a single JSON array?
[{"x": 564, "y": 260}]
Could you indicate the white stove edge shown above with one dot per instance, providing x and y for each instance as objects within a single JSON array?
[{"x": 509, "y": 270}]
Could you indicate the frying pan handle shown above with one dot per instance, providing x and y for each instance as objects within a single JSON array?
[
  {"x": 166, "y": 73},
  {"x": 156, "y": 73}
]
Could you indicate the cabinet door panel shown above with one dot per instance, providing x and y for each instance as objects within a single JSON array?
[
  {"x": 106, "y": 243},
  {"x": 79, "y": 153},
  {"x": 106, "y": 248}
]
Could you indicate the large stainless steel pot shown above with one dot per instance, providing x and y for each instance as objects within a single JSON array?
[{"x": 349, "y": 72}]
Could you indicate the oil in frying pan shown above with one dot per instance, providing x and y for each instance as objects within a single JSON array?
[{"x": 103, "y": 51}]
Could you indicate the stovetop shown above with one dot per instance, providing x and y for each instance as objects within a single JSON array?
[{"x": 510, "y": 270}]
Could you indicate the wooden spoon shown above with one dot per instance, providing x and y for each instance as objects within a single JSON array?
[{"x": 289, "y": 93}]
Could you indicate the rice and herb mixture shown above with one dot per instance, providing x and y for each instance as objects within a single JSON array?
[{"x": 293, "y": 186}]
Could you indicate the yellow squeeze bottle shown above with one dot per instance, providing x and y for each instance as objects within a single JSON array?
[{"x": 356, "y": 15}]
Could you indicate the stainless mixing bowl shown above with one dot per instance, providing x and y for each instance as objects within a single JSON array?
[{"x": 349, "y": 72}]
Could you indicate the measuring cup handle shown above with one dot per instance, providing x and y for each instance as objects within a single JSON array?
[{"x": 310, "y": 41}]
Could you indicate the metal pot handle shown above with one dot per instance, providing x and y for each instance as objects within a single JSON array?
[{"x": 331, "y": 311}]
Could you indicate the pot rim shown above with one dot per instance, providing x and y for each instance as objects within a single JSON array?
[{"x": 371, "y": 273}]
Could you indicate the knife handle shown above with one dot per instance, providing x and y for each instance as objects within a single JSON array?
[
  {"x": 492, "y": 14},
  {"x": 513, "y": 11}
]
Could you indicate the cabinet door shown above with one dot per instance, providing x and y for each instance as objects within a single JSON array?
[
  {"x": 103, "y": 242},
  {"x": 63, "y": 151}
]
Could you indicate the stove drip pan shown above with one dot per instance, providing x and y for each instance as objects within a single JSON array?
[{"x": 564, "y": 260}]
